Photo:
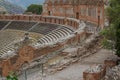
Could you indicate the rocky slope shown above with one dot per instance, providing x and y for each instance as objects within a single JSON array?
[
  {"x": 11, "y": 8},
  {"x": 26, "y": 3},
  {"x": 3, "y": 10},
  {"x": 113, "y": 73}
]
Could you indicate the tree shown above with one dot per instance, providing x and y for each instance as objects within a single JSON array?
[
  {"x": 112, "y": 34},
  {"x": 109, "y": 38},
  {"x": 12, "y": 76},
  {"x": 34, "y": 8}
]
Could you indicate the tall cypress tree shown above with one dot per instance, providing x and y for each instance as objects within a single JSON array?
[
  {"x": 118, "y": 39},
  {"x": 112, "y": 34},
  {"x": 114, "y": 15}
]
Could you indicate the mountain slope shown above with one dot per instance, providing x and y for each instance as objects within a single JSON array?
[
  {"x": 11, "y": 8},
  {"x": 26, "y": 3},
  {"x": 3, "y": 10}
]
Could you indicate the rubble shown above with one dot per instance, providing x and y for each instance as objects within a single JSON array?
[
  {"x": 113, "y": 73},
  {"x": 80, "y": 52},
  {"x": 95, "y": 69}
]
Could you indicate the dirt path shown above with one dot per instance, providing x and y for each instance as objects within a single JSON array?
[{"x": 75, "y": 71}]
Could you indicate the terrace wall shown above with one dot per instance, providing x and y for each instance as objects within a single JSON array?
[{"x": 38, "y": 18}]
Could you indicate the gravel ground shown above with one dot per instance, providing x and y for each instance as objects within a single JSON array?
[{"x": 75, "y": 71}]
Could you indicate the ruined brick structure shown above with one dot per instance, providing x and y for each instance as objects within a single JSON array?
[
  {"x": 62, "y": 12},
  {"x": 87, "y": 10},
  {"x": 26, "y": 54}
]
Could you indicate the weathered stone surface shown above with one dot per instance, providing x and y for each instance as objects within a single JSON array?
[
  {"x": 110, "y": 63},
  {"x": 95, "y": 69},
  {"x": 96, "y": 72},
  {"x": 113, "y": 73}
]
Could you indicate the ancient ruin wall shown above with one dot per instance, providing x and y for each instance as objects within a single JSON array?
[
  {"x": 87, "y": 10},
  {"x": 38, "y": 18},
  {"x": 27, "y": 53}
]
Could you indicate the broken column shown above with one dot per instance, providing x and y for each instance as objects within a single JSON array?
[
  {"x": 109, "y": 63},
  {"x": 96, "y": 72}
]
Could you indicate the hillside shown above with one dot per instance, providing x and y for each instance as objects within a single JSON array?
[
  {"x": 11, "y": 8},
  {"x": 26, "y": 3},
  {"x": 3, "y": 10}
]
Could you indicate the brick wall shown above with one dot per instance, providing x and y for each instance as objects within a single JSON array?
[
  {"x": 87, "y": 12},
  {"x": 39, "y": 18}
]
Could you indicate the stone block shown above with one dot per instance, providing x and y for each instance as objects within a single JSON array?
[
  {"x": 110, "y": 63},
  {"x": 94, "y": 73}
]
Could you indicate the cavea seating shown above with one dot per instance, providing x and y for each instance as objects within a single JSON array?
[
  {"x": 21, "y": 25},
  {"x": 44, "y": 28},
  {"x": 56, "y": 36},
  {"x": 2, "y": 24},
  {"x": 6, "y": 39}
]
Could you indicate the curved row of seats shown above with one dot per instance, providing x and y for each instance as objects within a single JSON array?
[
  {"x": 11, "y": 33},
  {"x": 2, "y": 24},
  {"x": 7, "y": 39},
  {"x": 92, "y": 28},
  {"x": 42, "y": 28},
  {"x": 55, "y": 36},
  {"x": 4, "y": 52},
  {"x": 21, "y": 25}
]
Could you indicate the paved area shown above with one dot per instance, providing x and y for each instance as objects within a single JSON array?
[{"x": 75, "y": 71}]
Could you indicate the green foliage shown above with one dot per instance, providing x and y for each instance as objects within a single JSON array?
[
  {"x": 113, "y": 11},
  {"x": 109, "y": 39},
  {"x": 109, "y": 33},
  {"x": 112, "y": 34},
  {"x": 107, "y": 44},
  {"x": 34, "y": 8},
  {"x": 118, "y": 40},
  {"x": 12, "y": 76}
]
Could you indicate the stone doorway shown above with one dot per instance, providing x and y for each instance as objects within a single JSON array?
[
  {"x": 49, "y": 13},
  {"x": 77, "y": 15}
]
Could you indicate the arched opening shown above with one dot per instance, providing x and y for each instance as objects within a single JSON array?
[
  {"x": 49, "y": 13},
  {"x": 77, "y": 15}
]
